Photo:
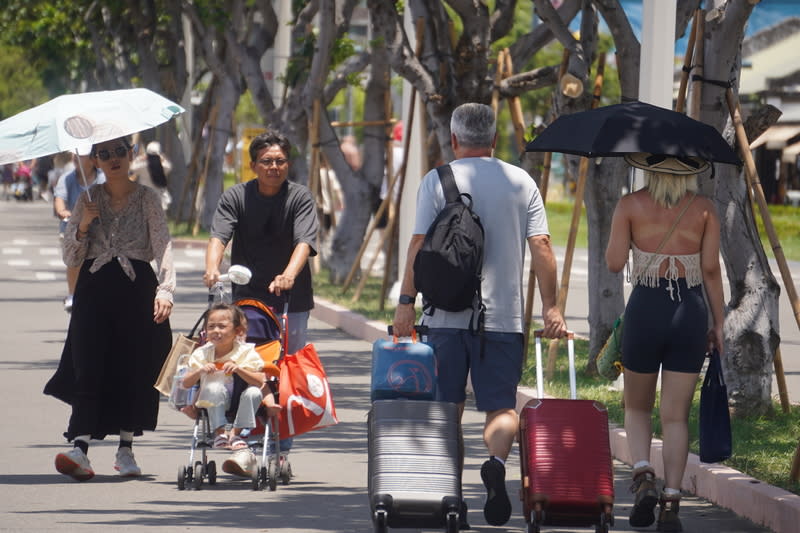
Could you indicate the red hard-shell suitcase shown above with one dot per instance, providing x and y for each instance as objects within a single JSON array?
[{"x": 565, "y": 456}]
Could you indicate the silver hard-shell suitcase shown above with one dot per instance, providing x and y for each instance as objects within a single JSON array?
[{"x": 415, "y": 463}]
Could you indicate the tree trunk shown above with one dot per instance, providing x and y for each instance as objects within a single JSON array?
[
  {"x": 606, "y": 297},
  {"x": 751, "y": 324}
]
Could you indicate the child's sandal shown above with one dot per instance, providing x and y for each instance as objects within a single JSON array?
[
  {"x": 222, "y": 442},
  {"x": 238, "y": 443}
]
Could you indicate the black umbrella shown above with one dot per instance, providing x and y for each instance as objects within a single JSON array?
[{"x": 616, "y": 130}]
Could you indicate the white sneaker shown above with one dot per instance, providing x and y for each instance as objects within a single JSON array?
[
  {"x": 74, "y": 464},
  {"x": 241, "y": 463},
  {"x": 126, "y": 464}
]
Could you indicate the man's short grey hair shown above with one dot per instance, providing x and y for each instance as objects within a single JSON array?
[{"x": 473, "y": 125}]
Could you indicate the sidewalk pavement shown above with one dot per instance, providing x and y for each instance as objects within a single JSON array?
[{"x": 764, "y": 504}]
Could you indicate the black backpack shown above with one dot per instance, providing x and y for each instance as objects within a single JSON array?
[{"x": 447, "y": 269}]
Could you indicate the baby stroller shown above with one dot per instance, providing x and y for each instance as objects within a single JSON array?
[{"x": 264, "y": 330}]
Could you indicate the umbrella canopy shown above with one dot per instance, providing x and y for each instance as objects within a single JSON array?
[
  {"x": 616, "y": 130},
  {"x": 69, "y": 121}
]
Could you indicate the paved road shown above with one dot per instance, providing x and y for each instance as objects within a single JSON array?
[{"x": 328, "y": 493}]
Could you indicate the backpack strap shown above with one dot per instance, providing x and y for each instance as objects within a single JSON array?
[{"x": 448, "y": 181}]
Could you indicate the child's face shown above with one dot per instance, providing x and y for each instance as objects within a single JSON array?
[{"x": 220, "y": 329}]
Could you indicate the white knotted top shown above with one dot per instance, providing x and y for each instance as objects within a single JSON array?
[{"x": 646, "y": 266}]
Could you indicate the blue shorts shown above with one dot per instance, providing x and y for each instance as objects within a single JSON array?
[
  {"x": 494, "y": 376},
  {"x": 663, "y": 332}
]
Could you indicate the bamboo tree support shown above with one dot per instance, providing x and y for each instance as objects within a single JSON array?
[
  {"x": 583, "y": 170},
  {"x": 498, "y": 79},
  {"x": 687, "y": 64},
  {"x": 420, "y": 27},
  {"x": 545, "y": 180},
  {"x": 314, "y": 180},
  {"x": 515, "y": 108},
  {"x": 393, "y": 210},
  {"x": 754, "y": 183},
  {"x": 699, "y": 52}
]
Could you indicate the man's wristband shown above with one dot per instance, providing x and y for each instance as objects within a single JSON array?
[{"x": 405, "y": 299}]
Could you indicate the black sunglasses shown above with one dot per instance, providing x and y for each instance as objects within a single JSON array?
[{"x": 119, "y": 151}]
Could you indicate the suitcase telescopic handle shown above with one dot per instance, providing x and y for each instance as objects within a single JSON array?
[{"x": 573, "y": 394}]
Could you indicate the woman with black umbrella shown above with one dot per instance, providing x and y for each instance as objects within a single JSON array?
[{"x": 674, "y": 235}]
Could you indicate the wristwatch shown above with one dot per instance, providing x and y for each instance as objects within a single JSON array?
[{"x": 405, "y": 299}]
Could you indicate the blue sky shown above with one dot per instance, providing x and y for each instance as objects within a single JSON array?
[{"x": 765, "y": 14}]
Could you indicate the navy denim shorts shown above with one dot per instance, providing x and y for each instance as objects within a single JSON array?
[{"x": 494, "y": 376}]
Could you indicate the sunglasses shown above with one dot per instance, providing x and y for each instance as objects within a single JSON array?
[
  {"x": 268, "y": 162},
  {"x": 119, "y": 151}
]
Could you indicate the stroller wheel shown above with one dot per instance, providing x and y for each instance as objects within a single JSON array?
[
  {"x": 198, "y": 476},
  {"x": 212, "y": 473},
  {"x": 286, "y": 471},
  {"x": 272, "y": 476},
  {"x": 181, "y": 477},
  {"x": 256, "y": 479}
]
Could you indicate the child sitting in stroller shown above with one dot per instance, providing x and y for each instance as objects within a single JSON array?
[{"x": 217, "y": 365}]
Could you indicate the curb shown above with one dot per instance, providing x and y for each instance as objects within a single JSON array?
[{"x": 746, "y": 496}]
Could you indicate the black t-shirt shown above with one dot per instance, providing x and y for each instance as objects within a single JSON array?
[{"x": 265, "y": 231}]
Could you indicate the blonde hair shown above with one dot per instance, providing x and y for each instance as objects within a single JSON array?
[{"x": 667, "y": 189}]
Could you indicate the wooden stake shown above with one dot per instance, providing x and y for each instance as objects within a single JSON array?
[
  {"x": 583, "y": 170},
  {"x": 515, "y": 108},
  {"x": 687, "y": 64},
  {"x": 498, "y": 78},
  {"x": 548, "y": 158},
  {"x": 752, "y": 175},
  {"x": 699, "y": 52}
]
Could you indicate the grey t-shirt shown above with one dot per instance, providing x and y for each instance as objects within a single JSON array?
[
  {"x": 510, "y": 207},
  {"x": 265, "y": 232}
]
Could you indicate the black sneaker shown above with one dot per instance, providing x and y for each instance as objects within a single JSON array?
[
  {"x": 668, "y": 521},
  {"x": 497, "y": 510}
]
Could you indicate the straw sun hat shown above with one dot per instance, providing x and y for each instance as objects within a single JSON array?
[{"x": 681, "y": 165}]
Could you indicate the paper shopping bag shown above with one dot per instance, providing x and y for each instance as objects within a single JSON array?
[
  {"x": 305, "y": 396},
  {"x": 183, "y": 345}
]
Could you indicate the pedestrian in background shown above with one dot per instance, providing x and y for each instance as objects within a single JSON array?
[
  {"x": 674, "y": 234},
  {"x": 512, "y": 213},
  {"x": 119, "y": 333},
  {"x": 151, "y": 169},
  {"x": 65, "y": 195}
]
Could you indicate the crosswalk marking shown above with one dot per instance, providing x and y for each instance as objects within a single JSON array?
[{"x": 12, "y": 251}]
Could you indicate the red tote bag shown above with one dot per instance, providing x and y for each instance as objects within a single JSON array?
[{"x": 305, "y": 396}]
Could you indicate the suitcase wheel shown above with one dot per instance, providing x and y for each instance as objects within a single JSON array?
[
  {"x": 380, "y": 521},
  {"x": 452, "y": 522}
]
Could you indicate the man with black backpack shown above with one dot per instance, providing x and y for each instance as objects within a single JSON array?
[{"x": 474, "y": 217}]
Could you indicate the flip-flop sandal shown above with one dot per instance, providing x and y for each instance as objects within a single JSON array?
[
  {"x": 222, "y": 442},
  {"x": 238, "y": 443}
]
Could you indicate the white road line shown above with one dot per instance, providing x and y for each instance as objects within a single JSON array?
[
  {"x": 19, "y": 263},
  {"x": 12, "y": 251},
  {"x": 195, "y": 252},
  {"x": 45, "y": 276},
  {"x": 49, "y": 251},
  {"x": 56, "y": 263},
  {"x": 185, "y": 265}
]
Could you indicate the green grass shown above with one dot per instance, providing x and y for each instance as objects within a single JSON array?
[
  {"x": 785, "y": 220},
  {"x": 763, "y": 447}
]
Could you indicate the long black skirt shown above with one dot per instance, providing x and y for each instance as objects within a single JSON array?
[{"x": 113, "y": 353}]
